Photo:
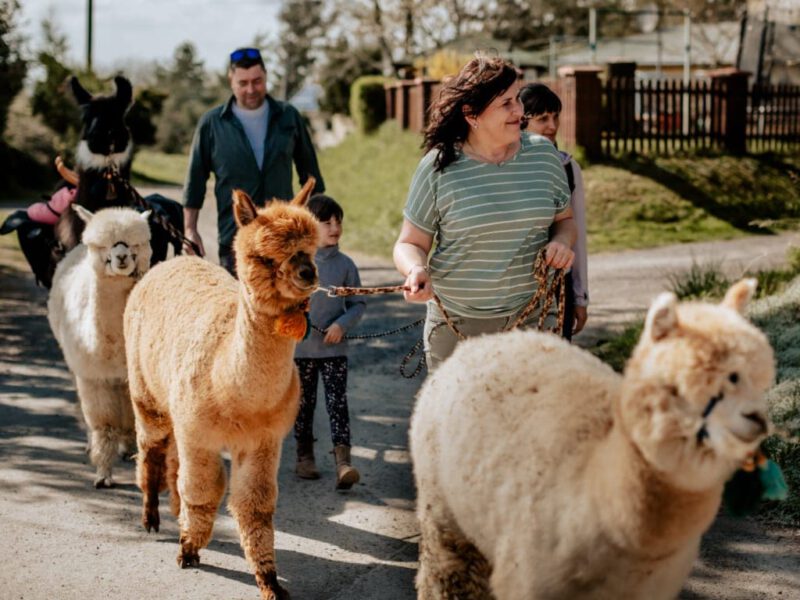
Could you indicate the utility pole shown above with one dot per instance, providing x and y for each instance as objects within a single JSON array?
[
  {"x": 89, "y": 35},
  {"x": 593, "y": 34}
]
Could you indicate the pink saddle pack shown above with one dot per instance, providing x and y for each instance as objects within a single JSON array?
[{"x": 48, "y": 212}]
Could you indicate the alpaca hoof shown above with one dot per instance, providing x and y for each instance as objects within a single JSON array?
[
  {"x": 151, "y": 520},
  {"x": 188, "y": 559},
  {"x": 270, "y": 588},
  {"x": 104, "y": 482}
]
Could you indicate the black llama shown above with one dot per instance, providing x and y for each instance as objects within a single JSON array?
[{"x": 103, "y": 164}]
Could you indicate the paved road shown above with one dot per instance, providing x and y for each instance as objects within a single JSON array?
[{"x": 64, "y": 540}]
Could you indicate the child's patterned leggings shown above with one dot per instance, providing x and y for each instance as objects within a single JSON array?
[{"x": 334, "y": 379}]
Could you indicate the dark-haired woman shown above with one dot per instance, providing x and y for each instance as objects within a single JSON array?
[{"x": 487, "y": 195}]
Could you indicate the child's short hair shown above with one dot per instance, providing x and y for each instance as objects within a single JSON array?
[
  {"x": 538, "y": 99},
  {"x": 324, "y": 207}
]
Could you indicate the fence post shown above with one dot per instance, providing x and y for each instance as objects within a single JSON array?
[
  {"x": 733, "y": 111},
  {"x": 588, "y": 104},
  {"x": 402, "y": 100},
  {"x": 390, "y": 89}
]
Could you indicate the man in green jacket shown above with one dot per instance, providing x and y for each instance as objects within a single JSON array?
[{"x": 248, "y": 143}]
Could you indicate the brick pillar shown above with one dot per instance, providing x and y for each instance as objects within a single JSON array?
[
  {"x": 403, "y": 104},
  {"x": 731, "y": 107},
  {"x": 588, "y": 106},
  {"x": 390, "y": 89},
  {"x": 430, "y": 88}
]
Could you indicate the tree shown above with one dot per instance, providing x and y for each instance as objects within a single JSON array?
[
  {"x": 13, "y": 66},
  {"x": 188, "y": 97},
  {"x": 301, "y": 26},
  {"x": 343, "y": 65}
]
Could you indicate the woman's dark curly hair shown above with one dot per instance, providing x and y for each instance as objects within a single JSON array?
[{"x": 479, "y": 82}]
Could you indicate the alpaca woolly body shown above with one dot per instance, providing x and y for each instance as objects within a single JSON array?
[
  {"x": 211, "y": 366},
  {"x": 85, "y": 309},
  {"x": 568, "y": 480}
]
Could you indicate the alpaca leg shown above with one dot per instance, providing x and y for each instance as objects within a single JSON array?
[
  {"x": 127, "y": 445},
  {"x": 98, "y": 405},
  {"x": 450, "y": 566},
  {"x": 201, "y": 482},
  {"x": 254, "y": 492},
  {"x": 172, "y": 478},
  {"x": 153, "y": 438}
]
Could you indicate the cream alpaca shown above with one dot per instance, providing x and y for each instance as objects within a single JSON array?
[
  {"x": 85, "y": 307},
  {"x": 211, "y": 367},
  {"x": 541, "y": 473}
]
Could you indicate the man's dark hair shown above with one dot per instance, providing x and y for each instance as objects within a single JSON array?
[
  {"x": 244, "y": 58},
  {"x": 324, "y": 207},
  {"x": 538, "y": 99}
]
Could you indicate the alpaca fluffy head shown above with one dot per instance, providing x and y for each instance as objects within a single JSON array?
[
  {"x": 275, "y": 248},
  {"x": 694, "y": 400},
  {"x": 118, "y": 241}
]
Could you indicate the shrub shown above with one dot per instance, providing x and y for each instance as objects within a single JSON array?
[{"x": 368, "y": 102}]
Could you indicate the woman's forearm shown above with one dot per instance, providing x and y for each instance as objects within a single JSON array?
[
  {"x": 407, "y": 256},
  {"x": 565, "y": 231}
]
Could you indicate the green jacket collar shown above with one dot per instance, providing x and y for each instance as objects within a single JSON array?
[{"x": 275, "y": 107}]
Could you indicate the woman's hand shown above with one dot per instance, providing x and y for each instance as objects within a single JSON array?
[
  {"x": 558, "y": 255},
  {"x": 419, "y": 283}
]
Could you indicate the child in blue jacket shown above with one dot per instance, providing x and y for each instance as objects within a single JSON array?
[{"x": 325, "y": 353}]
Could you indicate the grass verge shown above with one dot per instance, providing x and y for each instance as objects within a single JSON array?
[{"x": 632, "y": 202}]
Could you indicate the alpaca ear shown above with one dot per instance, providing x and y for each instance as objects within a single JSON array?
[
  {"x": 740, "y": 294},
  {"x": 85, "y": 214},
  {"x": 662, "y": 318},
  {"x": 146, "y": 215},
  {"x": 243, "y": 208},
  {"x": 124, "y": 93},
  {"x": 305, "y": 193},
  {"x": 81, "y": 95}
]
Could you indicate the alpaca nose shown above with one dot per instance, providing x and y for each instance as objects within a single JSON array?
[
  {"x": 308, "y": 273},
  {"x": 759, "y": 422}
]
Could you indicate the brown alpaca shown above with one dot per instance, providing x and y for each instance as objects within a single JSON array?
[{"x": 211, "y": 366}]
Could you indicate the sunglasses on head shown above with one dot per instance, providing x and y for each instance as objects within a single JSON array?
[{"x": 243, "y": 53}]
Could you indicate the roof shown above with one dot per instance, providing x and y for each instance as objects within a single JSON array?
[{"x": 712, "y": 44}]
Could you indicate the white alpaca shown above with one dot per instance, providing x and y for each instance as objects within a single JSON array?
[
  {"x": 90, "y": 287},
  {"x": 541, "y": 473}
]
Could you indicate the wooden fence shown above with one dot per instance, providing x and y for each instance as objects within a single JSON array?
[
  {"x": 663, "y": 116},
  {"x": 654, "y": 117}
]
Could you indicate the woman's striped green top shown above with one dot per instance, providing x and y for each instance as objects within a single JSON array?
[{"x": 488, "y": 223}]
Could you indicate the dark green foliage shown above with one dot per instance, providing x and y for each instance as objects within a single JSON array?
[
  {"x": 26, "y": 174},
  {"x": 188, "y": 97},
  {"x": 301, "y": 30},
  {"x": 700, "y": 281},
  {"x": 368, "y": 102},
  {"x": 141, "y": 117},
  {"x": 344, "y": 65},
  {"x": 616, "y": 351},
  {"x": 13, "y": 66}
]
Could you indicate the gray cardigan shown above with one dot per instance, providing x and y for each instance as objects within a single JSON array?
[{"x": 336, "y": 269}]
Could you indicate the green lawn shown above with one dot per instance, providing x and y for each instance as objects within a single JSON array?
[{"x": 632, "y": 202}]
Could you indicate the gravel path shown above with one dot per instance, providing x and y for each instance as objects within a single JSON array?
[{"x": 64, "y": 540}]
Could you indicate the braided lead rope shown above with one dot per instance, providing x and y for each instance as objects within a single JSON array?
[
  {"x": 546, "y": 292},
  {"x": 157, "y": 217},
  {"x": 369, "y": 336},
  {"x": 339, "y": 291}
]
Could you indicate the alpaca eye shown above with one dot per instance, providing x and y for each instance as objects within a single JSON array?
[
  {"x": 733, "y": 377},
  {"x": 267, "y": 262}
]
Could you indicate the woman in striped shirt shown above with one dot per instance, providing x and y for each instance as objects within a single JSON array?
[{"x": 488, "y": 196}]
